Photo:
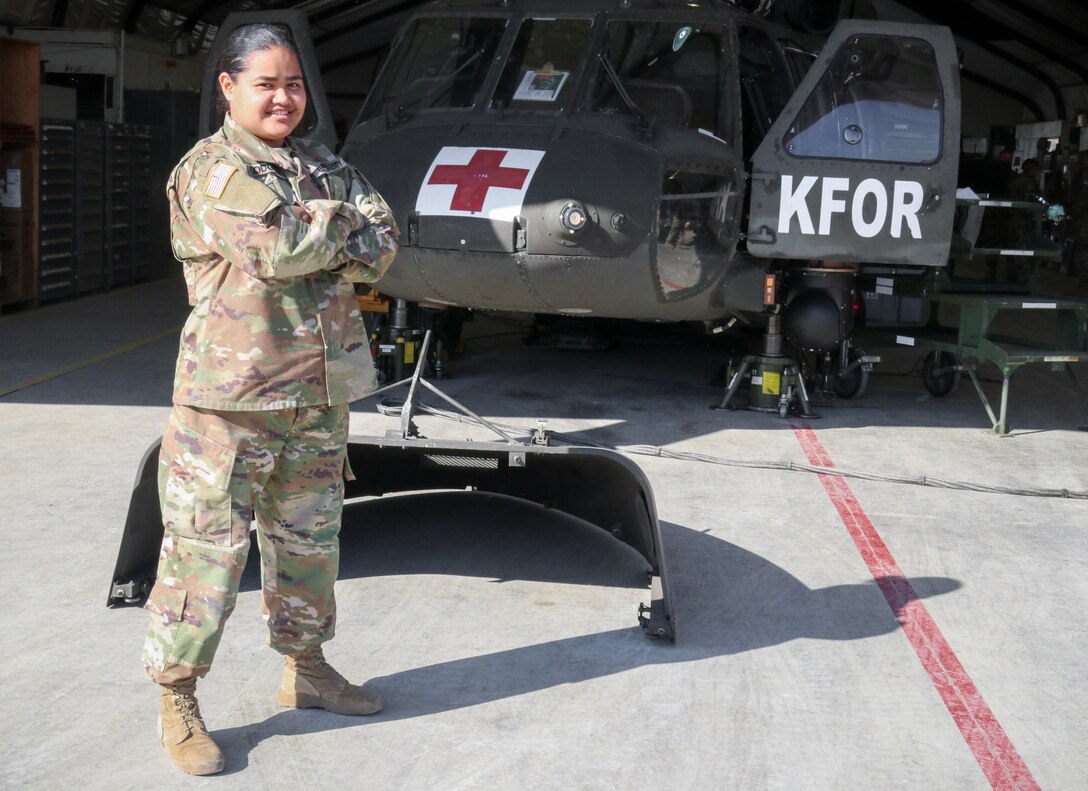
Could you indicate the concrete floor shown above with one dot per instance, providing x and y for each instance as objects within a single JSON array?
[{"x": 503, "y": 637}]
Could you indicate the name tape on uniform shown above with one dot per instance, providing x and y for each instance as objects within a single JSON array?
[
  {"x": 331, "y": 166},
  {"x": 260, "y": 169}
]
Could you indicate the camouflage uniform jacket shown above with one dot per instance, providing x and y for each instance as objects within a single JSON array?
[{"x": 272, "y": 240}]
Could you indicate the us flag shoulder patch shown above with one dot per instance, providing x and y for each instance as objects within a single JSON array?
[{"x": 217, "y": 180}]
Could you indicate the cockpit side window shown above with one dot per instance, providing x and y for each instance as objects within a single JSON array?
[
  {"x": 880, "y": 99},
  {"x": 443, "y": 64},
  {"x": 766, "y": 84},
  {"x": 672, "y": 71},
  {"x": 543, "y": 62}
]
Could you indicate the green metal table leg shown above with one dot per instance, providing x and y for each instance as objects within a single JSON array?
[
  {"x": 994, "y": 422},
  {"x": 1002, "y": 426}
]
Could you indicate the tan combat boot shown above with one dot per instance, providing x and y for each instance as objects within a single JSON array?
[
  {"x": 309, "y": 682},
  {"x": 182, "y": 731}
]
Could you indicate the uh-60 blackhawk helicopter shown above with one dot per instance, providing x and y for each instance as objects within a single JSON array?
[
  {"x": 668, "y": 161},
  {"x": 643, "y": 159}
]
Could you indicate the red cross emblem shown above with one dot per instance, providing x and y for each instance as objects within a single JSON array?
[{"x": 474, "y": 179}]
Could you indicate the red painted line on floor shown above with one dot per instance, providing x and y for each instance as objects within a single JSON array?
[{"x": 993, "y": 750}]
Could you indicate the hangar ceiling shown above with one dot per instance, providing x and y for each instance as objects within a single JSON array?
[{"x": 1032, "y": 50}]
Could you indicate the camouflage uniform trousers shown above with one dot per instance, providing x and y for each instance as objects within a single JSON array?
[{"x": 219, "y": 472}]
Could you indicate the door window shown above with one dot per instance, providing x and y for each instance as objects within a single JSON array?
[{"x": 880, "y": 99}]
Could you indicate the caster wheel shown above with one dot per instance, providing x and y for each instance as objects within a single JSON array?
[
  {"x": 852, "y": 384},
  {"x": 938, "y": 375}
]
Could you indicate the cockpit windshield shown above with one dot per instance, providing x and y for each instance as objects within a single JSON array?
[
  {"x": 672, "y": 71},
  {"x": 444, "y": 62},
  {"x": 539, "y": 74},
  {"x": 669, "y": 72}
]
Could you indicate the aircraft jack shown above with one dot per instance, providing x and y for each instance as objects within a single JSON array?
[
  {"x": 396, "y": 335},
  {"x": 775, "y": 382}
]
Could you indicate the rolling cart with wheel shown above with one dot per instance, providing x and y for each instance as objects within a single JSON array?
[
  {"x": 958, "y": 349},
  {"x": 955, "y": 351}
]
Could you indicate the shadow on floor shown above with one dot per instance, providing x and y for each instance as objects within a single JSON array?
[{"x": 726, "y": 600}]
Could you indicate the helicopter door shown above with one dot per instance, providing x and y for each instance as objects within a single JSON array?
[{"x": 862, "y": 163}]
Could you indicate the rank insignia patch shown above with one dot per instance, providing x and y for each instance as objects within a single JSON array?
[{"x": 217, "y": 180}]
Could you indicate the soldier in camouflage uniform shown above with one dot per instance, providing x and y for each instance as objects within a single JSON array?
[{"x": 272, "y": 235}]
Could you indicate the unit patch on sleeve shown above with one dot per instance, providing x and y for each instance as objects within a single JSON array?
[{"x": 218, "y": 178}]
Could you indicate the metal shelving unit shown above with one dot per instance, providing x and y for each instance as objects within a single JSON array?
[
  {"x": 127, "y": 195},
  {"x": 140, "y": 200},
  {"x": 90, "y": 231},
  {"x": 58, "y": 271},
  {"x": 118, "y": 206}
]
